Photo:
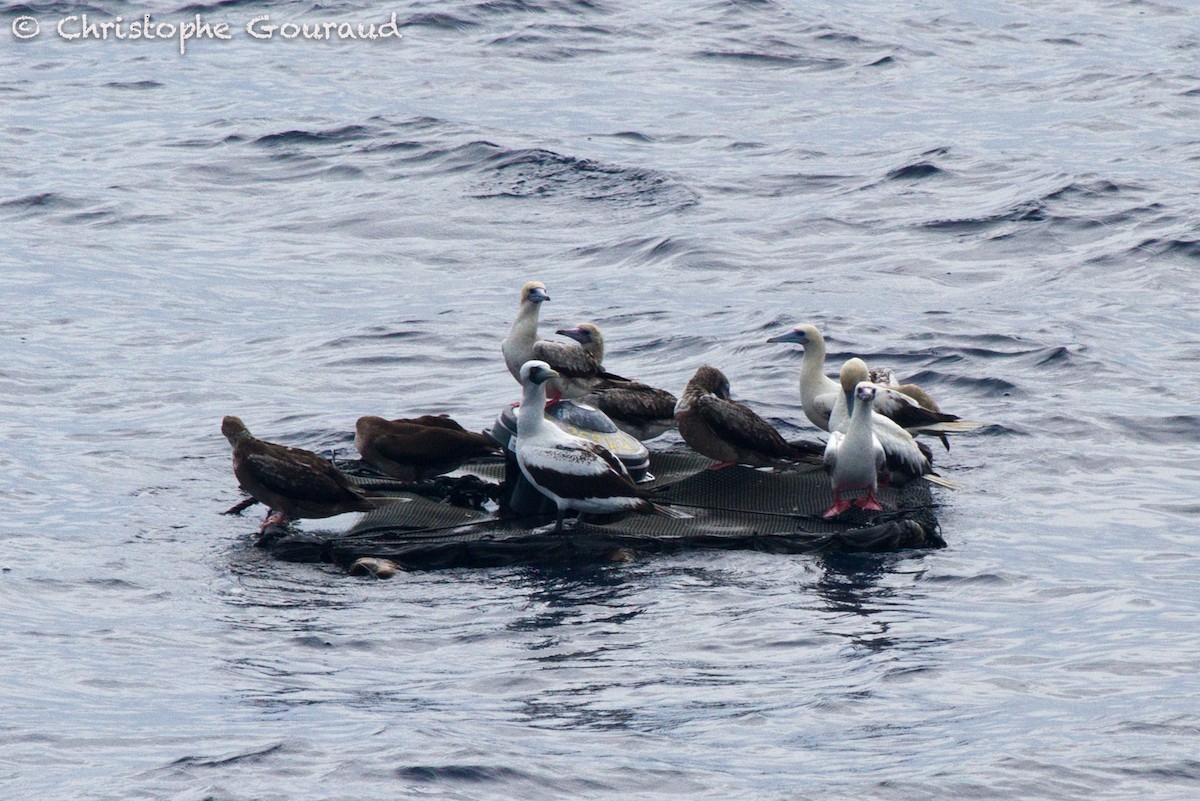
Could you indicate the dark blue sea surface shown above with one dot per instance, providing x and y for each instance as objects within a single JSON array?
[{"x": 998, "y": 201}]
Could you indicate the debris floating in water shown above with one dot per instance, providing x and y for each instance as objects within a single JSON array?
[{"x": 374, "y": 566}]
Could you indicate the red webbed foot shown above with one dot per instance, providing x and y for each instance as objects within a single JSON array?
[
  {"x": 275, "y": 518},
  {"x": 838, "y": 507},
  {"x": 870, "y": 503}
]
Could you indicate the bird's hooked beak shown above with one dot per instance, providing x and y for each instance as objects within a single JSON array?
[
  {"x": 794, "y": 335},
  {"x": 540, "y": 375},
  {"x": 537, "y": 295},
  {"x": 577, "y": 334}
]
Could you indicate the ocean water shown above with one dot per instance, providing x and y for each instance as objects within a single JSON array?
[{"x": 997, "y": 202}]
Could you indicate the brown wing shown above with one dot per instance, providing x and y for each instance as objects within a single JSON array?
[
  {"x": 433, "y": 420},
  {"x": 911, "y": 466},
  {"x": 290, "y": 454},
  {"x": 567, "y": 358},
  {"x": 428, "y": 446},
  {"x": 916, "y": 417},
  {"x": 295, "y": 479},
  {"x": 909, "y": 413},
  {"x": 922, "y": 397},
  {"x": 741, "y": 427},
  {"x": 614, "y": 378},
  {"x": 635, "y": 403}
]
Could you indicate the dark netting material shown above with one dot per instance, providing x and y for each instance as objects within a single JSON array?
[{"x": 733, "y": 508}]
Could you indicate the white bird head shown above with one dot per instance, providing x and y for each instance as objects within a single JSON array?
[
  {"x": 536, "y": 372},
  {"x": 804, "y": 334},
  {"x": 865, "y": 392},
  {"x": 534, "y": 292}
]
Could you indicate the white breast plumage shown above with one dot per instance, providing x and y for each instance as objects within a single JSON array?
[{"x": 571, "y": 471}]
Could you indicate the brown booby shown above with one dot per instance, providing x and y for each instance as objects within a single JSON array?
[
  {"x": 715, "y": 426},
  {"x": 418, "y": 448},
  {"x": 573, "y": 472},
  {"x": 638, "y": 409},
  {"x": 292, "y": 482}
]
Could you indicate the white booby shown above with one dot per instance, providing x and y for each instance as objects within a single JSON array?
[
  {"x": 855, "y": 456},
  {"x": 292, "y": 482},
  {"x": 573, "y": 472},
  {"x": 577, "y": 370},
  {"x": 638, "y": 409},
  {"x": 818, "y": 392},
  {"x": 907, "y": 404},
  {"x": 715, "y": 426},
  {"x": 905, "y": 456},
  {"x": 418, "y": 448}
]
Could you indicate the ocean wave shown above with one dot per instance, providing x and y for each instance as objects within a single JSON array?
[
  {"x": 55, "y": 9},
  {"x": 494, "y": 7},
  {"x": 60, "y": 207},
  {"x": 915, "y": 171},
  {"x": 224, "y": 760},
  {"x": 1081, "y": 204},
  {"x": 346, "y": 133},
  {"x": 1182, "y": 246},
  {"x": 1023, "y": 211},
  {"x": 438, "y": 20},
  {"x": 687, "y": 252},
  {"x": 458, "y": 773},
  {"x": 1174, "y": 428},
  {"x": 776, "y": 58},
  {"x": 426, "y": 147},
  {"x": 218, "y": 5},
  {"x": 135, "y": 85},
  {"x": 40, "y": 200},
  {"x": 539, "y": 173}
]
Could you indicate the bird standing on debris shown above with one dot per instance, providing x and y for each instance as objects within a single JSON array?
[
  {"x": 715, "y": 426},
  {"x": 573, "y": 472},
  {"x": 855, "y": 457},
  {"x": 292, "y": 482},
  {"x": 906, "y": 458},
  {"x": 418, "y": 448},
  {"x": 640, "y": 410}
]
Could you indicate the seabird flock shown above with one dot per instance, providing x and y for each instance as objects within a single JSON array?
[{"x": 871, "y": 418}]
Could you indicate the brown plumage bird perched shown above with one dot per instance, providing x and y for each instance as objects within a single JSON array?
[
  {"x": 638, "y": 409},
  {"x": 715, "y": 426},
  {"x": 292, "y": 482},
  {"x": 418, "y": 448}
]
